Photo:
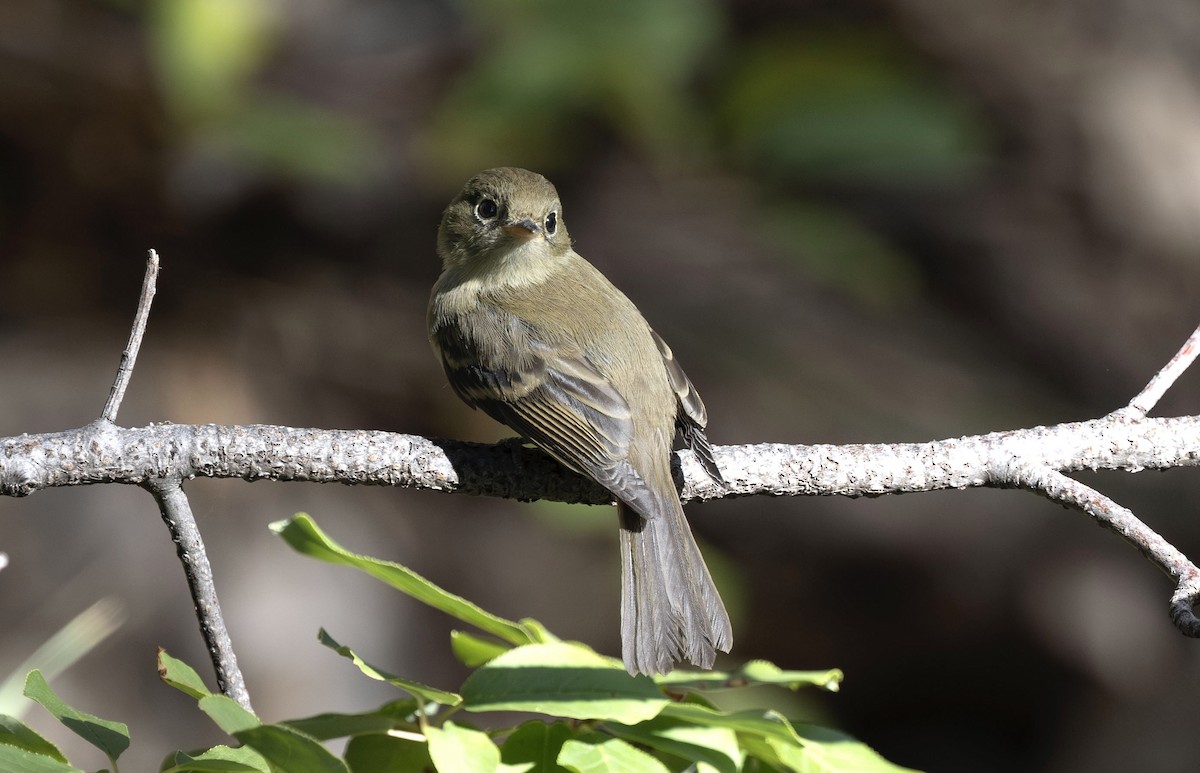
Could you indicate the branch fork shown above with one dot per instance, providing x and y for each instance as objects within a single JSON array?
[{"x": 175, "y": 509}]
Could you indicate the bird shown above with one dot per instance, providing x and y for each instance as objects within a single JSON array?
[{"x": 532, "y": 334}]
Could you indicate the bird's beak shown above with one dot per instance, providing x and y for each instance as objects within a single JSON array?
[{"x": 522, "y": 229}]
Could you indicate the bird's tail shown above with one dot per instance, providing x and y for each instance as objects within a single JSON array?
[{"x": 670, "y": 608}]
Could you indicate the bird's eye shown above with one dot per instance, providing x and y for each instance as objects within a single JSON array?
[
  {"x": 551, "y": 223},
  {"x": 486, "y": 209}
]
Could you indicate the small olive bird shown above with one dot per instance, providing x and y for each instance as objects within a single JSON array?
[{"x": 536, "y": 337}]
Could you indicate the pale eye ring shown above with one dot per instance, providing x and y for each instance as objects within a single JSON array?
[
  {"x": 486, "y": 209},
  {"x": 551, "y": 223}
]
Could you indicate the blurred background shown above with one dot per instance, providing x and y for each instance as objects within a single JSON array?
[{"x": 855, "y": 221}]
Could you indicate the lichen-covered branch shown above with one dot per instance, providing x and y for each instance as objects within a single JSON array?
[{"x": 103, "y": 453}]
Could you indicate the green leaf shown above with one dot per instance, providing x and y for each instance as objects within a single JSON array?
[
  {"x": 758, "y": 749},
  {"x": 822, "y": 750},
  {"x": 219, "y": 759},
  {"x": 376, "y": 753},
  {"x": 414, "y": 688},
  {"x": 473, "y": 651},
  {"x": 564, "y": 680},
  {"x": 764, "y": 724},
  {"x": 290, "y": 750},
  {"x": 181, "y": 676},
  {"x": 755, "y": 672},
  {"x": 538, "y": 633},
  {"x": 608, "y": 755},
  {"x": 806, "y": 748},
  {"x": 16, "y": 760},
  {"x": 112, "y": 738},
  {"x": 14, "y": 732},
  {"x": 538, "y": 744},
  {"x": 228, "y": 714},
  {"x": 716, "y": 746},
  {"x": 765, "y": 672},
  {"x": 453, "y": 748},
  {"x": 303, "y": 534},
  {"x": 334, "y": 725}
]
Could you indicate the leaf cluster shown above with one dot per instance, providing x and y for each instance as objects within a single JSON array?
[{"x": 597, "y": 716}]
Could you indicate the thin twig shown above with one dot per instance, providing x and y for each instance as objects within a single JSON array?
[
  {"x": 177, "y": 513},
  {"x": 1162, "y": 381},
  {"x": 1061, "y": 488},
  {"x": 129, "y": 356}
]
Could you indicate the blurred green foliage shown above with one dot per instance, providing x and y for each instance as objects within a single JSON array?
[
  {"x": 836, "y": 250},
  {"x": 545, "y": 70},
  {"x": 849, "y": 105},
  {"x": 844, "y": 109},
  {"x": 803, "y": 107},
  {"x": 588, "y": 713},
  {"x": 806, "y": 108},
  {"x": 207, "y": 54}
]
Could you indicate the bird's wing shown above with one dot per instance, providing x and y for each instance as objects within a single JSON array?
[
  {"x": 557, "y": 399},
  {"x": 692, "y": 417}
]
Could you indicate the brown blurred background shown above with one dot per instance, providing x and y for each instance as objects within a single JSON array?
[{"x": 853, "y": 221}]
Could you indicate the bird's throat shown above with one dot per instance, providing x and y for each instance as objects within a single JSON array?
[{"x": 510, "y": 267}]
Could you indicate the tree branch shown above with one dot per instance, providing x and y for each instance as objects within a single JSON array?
[
  {"x": 129, "y": 356},
  {"x": 510, "y": 470},
  {"x": 1028, "y": 458},
  {"x": 1162, "y": 381},
  {"x": 1059, "y": 488},
  {"x": 160, "y": 456},
  {"x": 177, "y": 514},
  {"x": 106, "y": 454}
]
